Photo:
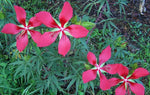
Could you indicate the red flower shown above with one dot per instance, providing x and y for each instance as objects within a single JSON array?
[
  {"x": 127, "y": 80},
  {"x": 48, "y": 38},
  {"x": 22, "y": 37},
  {"x": 91, "y": 74}
]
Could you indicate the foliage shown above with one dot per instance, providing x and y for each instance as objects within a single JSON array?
[{"x": 42, "y": 71}]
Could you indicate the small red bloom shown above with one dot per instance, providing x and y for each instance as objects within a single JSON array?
[
  {"x": 91, "y": 74},
  {"x": 127, "y": 80},
  {"x": 61, "y": 29},
  {"x": 22, "y": 37}
]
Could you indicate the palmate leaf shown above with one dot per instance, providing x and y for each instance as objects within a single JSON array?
[
  {"x": 26, "y": 68},
  {"x": 51, "y": 81},
  {"x": 6, "y": 80},
  {"x": 57, "y": 84},
  {"x": 73, "y": 80}
]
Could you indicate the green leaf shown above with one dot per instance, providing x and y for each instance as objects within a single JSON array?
[
  {"x": 88, "y": 25},
  {"x": 3, "y": 64},
  {"x": 26, "y": 90},
  {"x": 114, "y": 25},
  {"x": 140, "y": 82},
  {"x": 2, "y": 23},
  {"x": 87, "y": 66},
  {"x": 13, "y": 45},
  {"x": 74, "y": 19},
  {"x": 69, "y": 77},
  {"x": 85, "y": 86},
  {"x": 82, "y": 40},
  {"x": 85, "y": 8},
  {"x": 92, "y": 85},
  {"x": 71, "y": 83},
  {"x": 2, "y": 15},
  {"x": 77, "y": 86},
  {"x": 101, "y": 5},
  {"x": 78, "y": 23},
  {"x": 31, "y": 93}
]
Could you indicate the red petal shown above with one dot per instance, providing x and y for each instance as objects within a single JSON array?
[
  {"x": 139, "y": 72},
  {"x": 20, "y": 14},
  {"x": 105, "y": 55},
  {"x": 22, "y": 41},
  {"x": 46, "y": 18},
  {"x": 137, "y": 89},
  {"x": 104, "y": 82},
  {"x": 66, "y": 13},
  {"x": 120, "y": 90},
  {"x": 91, "y": 58},
  {"x": 77, "y": 31},
  {"x": 35, "y": 35},
  {"x": 114, "y": 81},
  {"x": 116, "y": 68},
  {"x": 64, "y": 45},
  {"x": 11, "y": 29},
  {"x": 33, "y": 22},
  {"x": 89, "y": 75},
  {"x": 47, "y": 39}
]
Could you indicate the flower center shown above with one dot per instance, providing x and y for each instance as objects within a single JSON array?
[
  {"x": 98, "y": 67},
  {"x": 125, "y": 80},
  {"x": 26, "y": 28},
  {"x": 61, "y": 29}
]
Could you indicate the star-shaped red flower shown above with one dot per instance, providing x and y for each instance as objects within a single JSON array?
[
  {"x": 127, "y": 80},
  {"x": 61, "y": 29},
  {"x": 91, "y": 74},
  {"x": 24, "y": 29}
]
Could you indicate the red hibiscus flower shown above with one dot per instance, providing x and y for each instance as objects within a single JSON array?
[
  {"x": 127, "y": 80},
  {"x": 91, "y": 74},
  {"x": 61, "y": 29},
  {"x": 24, "y": 29}
]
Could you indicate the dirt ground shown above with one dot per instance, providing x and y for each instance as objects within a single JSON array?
[{"x": 134, "y": 14}]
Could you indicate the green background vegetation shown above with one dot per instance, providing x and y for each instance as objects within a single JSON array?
[{"x": 42, "y": 71}]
